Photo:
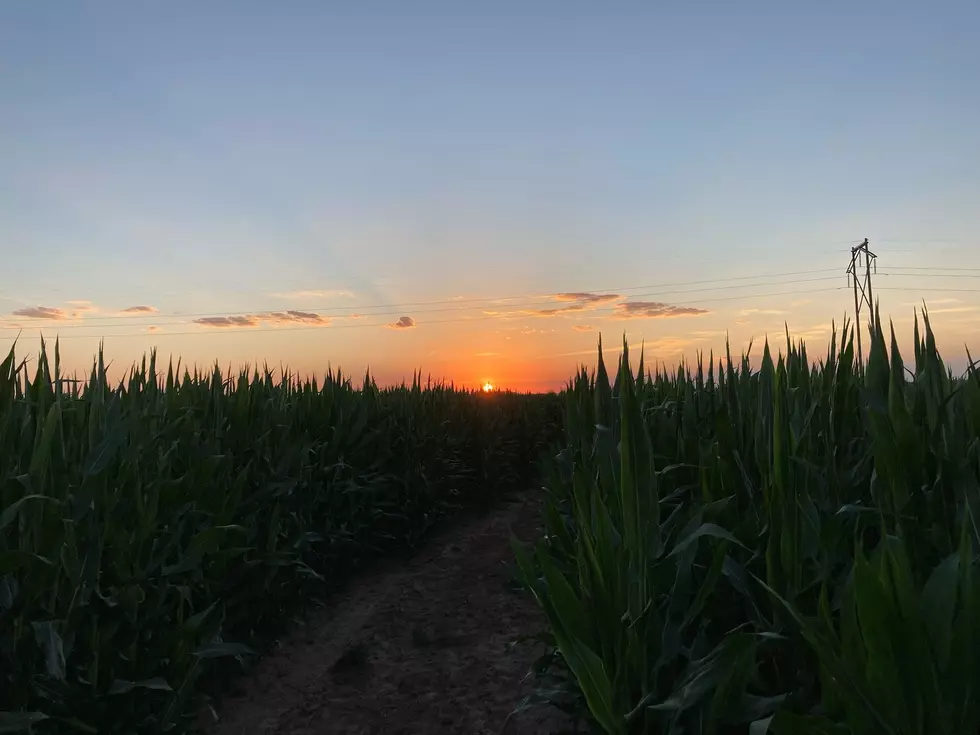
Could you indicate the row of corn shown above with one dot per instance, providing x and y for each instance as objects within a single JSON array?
[
  {"x": 154, "y": 532},
  {"x": 791, "y": 549}
]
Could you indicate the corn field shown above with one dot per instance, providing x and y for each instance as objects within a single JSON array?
[
  {"x": 791, "y": 550},
  {"x": 786, "y": 550},
  {"x": 152, "y": 532}
]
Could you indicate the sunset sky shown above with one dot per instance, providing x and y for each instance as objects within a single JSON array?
[{"x": 479, "y": 189}]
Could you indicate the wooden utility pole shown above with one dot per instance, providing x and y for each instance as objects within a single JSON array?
[{"x": 862, "y": 259}]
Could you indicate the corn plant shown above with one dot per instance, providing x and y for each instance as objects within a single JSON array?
[
  {"x": 153, "y": 533},
  {"x": 730, "y": 549}
]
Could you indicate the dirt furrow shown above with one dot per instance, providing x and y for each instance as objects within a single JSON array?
[{"x": 418, "y": 647}]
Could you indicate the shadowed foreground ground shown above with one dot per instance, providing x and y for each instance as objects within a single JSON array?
[{"x": 418, "y": 647}]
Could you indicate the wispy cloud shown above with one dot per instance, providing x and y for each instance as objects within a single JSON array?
[
  {"x": 815, "y": 331},
  {"x": 670, "y": 345},
  {"x": 152, "y": 328},
  {"x": 42, "y": 312},
  {"x": 709, "y": 333},
  {"x": 585, "y": 297},
  {"x": 305, "y": 317},
  {"x": 768, "y": 312},
  {"x": 78, "y": 310},
  {"x": 311, "y": 294},
  {"x": 555, "y": 311},
  {"x": 405, "y": 322},
  {"x": 582, "y": 328},
  {"x": 223, "y": 322},
  {"x": 932, "y": 301},
  {"x": 253, "y": 320},
  {"x": 570, "y": 301},
  {"x": 953, "y": 310},
  {"x": 594, "y": 351},
  {"x": 654, "y": 310},
  {"x": 486, "y": 354}
]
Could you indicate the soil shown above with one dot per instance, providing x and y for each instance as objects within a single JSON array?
[{"x": 423, "y": 646}]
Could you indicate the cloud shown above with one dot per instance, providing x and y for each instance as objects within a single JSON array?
[
  {"x": 405, "y": 322},
  {"x": 245, "y": 320},
  {"x": 582, "y": 328},
  {"x": 585, "y": 297},
  {"x": 771, "y": 312},
  {"x": 253, "y": 320},
  {"x": 314, "y": 294},
  {"x": 709, "y": 333},
  {"x": 654, "y": 310},
  {"x": 592, "y": 351},
  {"x": 152, "y": 328},
  {"x": 571, "y": 301},
  {"x": 669, "y": 345},
  {"x": 79, "y": 310},
  {"x": 574, "y": 301},
  {"x": 813, "y": 332},
  {"x": 555, "y": 311},
  {"x": 932, "y": 301},
  {"x": 953, "y": 310},
  {"x": 304, "y": 317},
  {"x": 486, "y": 354},
  {"x": 42, "y": 312}
]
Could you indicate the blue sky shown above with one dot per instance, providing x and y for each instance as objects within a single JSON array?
[{"x": 253, "y": 158}]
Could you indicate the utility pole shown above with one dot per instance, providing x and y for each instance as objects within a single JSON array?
[{"x": 862, "y": 259}]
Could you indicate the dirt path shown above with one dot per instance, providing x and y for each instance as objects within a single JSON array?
[{"x": 421, "y": 647}]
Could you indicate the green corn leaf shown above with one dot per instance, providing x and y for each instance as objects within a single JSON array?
[
  {"x": 20, "y": 721},
  {"x": 49, "y": 640}
]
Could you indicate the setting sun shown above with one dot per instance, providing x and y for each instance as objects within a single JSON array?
[{"x": 487, "y": 387}]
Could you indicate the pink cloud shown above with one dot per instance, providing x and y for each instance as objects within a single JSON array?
[
  {"x": 405, "y": 322},
  {"x": 227, "y": 321},
  {"x": 585, "y": 297},
  {"x": 253, "y": 320},
  {"x": 42, "y": 312},
  {"x": 654, "y": 310}
]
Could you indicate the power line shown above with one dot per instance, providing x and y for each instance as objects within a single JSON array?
[
  {"x": 486, "y": 299},
  {"x": 515, "y": 309},
  {"x": 930, "y": 268},
  {"x": 931, "y": 275},
  {"x": 936, "y": 288},
  {"x": 183, "y": 318},
  {"x": 253, "y": 330},
  {"x": 928, "y": 241}
]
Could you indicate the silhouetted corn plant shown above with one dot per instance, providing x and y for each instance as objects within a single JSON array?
[
  {"x": 149, "y": 530},
  {"x": 750, "y": 549}
]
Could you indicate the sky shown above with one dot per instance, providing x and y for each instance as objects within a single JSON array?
[{"x": 478, "y": 190}]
